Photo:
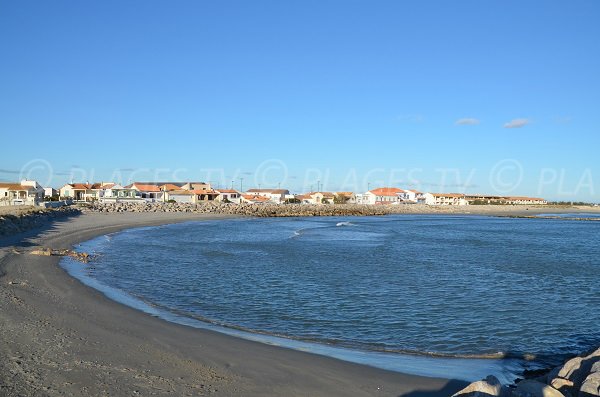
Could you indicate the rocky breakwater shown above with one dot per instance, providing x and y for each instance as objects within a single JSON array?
[
  {"x": 258, "y": 210},
  {"x": 577, "y": 377},
  {"x": 17, "y": 221}
]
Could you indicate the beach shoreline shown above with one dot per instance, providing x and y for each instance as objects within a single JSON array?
[{"x": 60, "y": 337}]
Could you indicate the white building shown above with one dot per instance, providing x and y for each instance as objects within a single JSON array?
[
  {"x": 148, "y": 192},
  {"x": 519, "y": 200},
  {"x": 228, "y": 195},
  {"x": 50, "y": 192},
  {"x": 413, "y": 196},
  {"x": 317, "y": 198},
  {"x": 445, "y": 199},
  {"x": 254, "y": 199},
  {"x": 276, "y": 196},
  {"x": 116, "y": 192},
  {"x": 382, "y": 195},
  {"x": 26, "y": 192}
]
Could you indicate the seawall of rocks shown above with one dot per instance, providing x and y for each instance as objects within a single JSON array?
[
  {"x": 11, "y": 224},
  {"x": 577, "y": 377},
  {"x": 271, "y": 210}
]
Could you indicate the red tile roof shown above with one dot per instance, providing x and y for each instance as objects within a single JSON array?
[
  {"x": 15, "y": 186},
  {"x": 145, "y": 188},
  {"x": 387, "y": 191},
  {"x": 103, "y": 185},
  {"x": 251, "y": 197},
  {"x": 169, "y": 187},
  {"x": 80, "y": 186}
]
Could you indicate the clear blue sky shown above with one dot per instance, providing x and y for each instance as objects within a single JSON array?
[{"x": 351, "y": 94}]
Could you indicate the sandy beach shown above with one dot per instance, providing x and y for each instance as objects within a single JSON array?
[{"x": 59, "y": 337}]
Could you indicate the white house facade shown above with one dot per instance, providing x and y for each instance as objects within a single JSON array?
[{"x": 445, "y": 199}]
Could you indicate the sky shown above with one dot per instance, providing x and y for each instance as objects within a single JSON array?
[{"x": 496, "y": 97}]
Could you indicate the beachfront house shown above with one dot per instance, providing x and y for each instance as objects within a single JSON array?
[
  {"x": 483, "y": 199},
  {"x": 382, "y": 195},
  {"x": 50, "y": 193},
  {"x": 413, "y": 196},
  {"x": 202, "y": 191},
  {"x": 228, "y": 195},
  {"x": 445, "y": 199},
  {"x": 254, "y": 199},
  {"x": 318, "y": 198},
  {"x": 180, "y": 196},
  {"x": 148, "y": 192},
  {"x": 276, "y": 196},
  {"x": 115, "y": 193},
  {"x": 98, "y": 190},
  {"x": 26, "y": 192},
  {"x": 479, "y": 199},
  {"x": 198, "y": 186},
  {"x": 344, "y": 198},
  {"x": 75, "y": 191},
  {"x": 520, "y": 200},
  {"x": 84, "y": 191}
]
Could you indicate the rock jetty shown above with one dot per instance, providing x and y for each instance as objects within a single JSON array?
[
  {"x": 577, "y": 377},
  {"x": 21, "y": 221},
  {"x": 79, "y": 256},
  {"x": 267, "y": 210}
]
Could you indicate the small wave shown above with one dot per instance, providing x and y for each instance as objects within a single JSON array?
[
  {"x": 298, "y": 233},
  {"x": 347, "y": 223}
]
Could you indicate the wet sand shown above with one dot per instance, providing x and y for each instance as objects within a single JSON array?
[{"x": 59, "y": 337}]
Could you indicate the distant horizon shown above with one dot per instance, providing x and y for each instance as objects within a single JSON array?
[{"x": 469, "y": 97}]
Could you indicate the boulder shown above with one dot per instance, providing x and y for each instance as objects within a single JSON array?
[
  {"x": 572, "y": 370},
  {"x": 591, "y": 385},
  {"x": 42, "y": 252},
  {"x": 560, "y": 383},
  {"x": 533, "y": 388},
  {"x": 490, "y": 386}
]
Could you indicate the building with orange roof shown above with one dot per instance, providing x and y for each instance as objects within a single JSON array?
[
  {"x": 26, "y": 192},
  {"x": 277, "y": 196},
  {"x": 413, "y": 196},
  {"x": 381, "y": 195},
  {"x": 84, "y": 191},
  {"x": 445, "y": 199},
  {"x": 344, "y": 198},
  {"x": 148, "y": 192},
  {"x": 197, "y": 186},
  {"x": 523, "y": 200},
  {"x": 228, "y": 195},
  {"x": 170, "y": 187},
  {"x": 76, "y": 191},
  {"x": 254, "y": 199},
  {"x": 318, "y": 198}
]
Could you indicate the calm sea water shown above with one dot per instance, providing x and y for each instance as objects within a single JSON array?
[{"x": 448, "y": 286}]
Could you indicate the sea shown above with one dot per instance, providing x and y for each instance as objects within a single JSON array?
[{"x": 435, "y": 295}]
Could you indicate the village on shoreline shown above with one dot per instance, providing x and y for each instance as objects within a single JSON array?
[{"x": 29, "y": 192}]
